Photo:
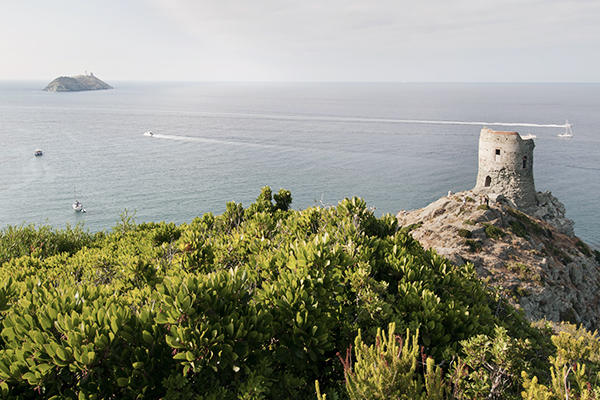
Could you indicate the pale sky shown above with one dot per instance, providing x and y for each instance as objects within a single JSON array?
[{"x": 303, "y": 40}]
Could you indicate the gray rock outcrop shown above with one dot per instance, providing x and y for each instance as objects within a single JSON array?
[
  {"x": 534, "y": 260},
  {"x": 76, "y": 84}
]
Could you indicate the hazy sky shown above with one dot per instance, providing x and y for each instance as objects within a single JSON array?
[{"x": 303, "y": 40}]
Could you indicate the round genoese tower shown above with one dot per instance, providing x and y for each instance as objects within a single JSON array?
[{"x": 506, "y": 167}]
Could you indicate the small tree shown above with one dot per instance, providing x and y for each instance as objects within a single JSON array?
[
  {"x": 283, "y": 199},
  {"x": 388, "y": 369}
]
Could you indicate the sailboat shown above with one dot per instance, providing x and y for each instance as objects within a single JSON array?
[
  {"x": 568, "y": 132},
  {"x": 77, "y": 206}
]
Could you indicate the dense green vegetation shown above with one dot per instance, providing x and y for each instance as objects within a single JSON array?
[{"x": 266, "y": 302}]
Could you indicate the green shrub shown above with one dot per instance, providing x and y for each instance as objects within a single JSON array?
[
  {"x": 43, "y": 241},
  {"x": 574, "y": 367},
  {"x": 493, "y": 232},
  {"x": 519, "y": 229},
  {"x": 521, "y": 292},
  {"x": 414, "y": 226},
  {"x": 483, "y": 207},
  {"x": 252, "y": 303},
  {"x": 465, "y": 233},
  {"x": 561, "y": 255},
  {"x": 522, "y": 269},
  {"x": 584, "y": 248},
  {"x": 490, "y": 367},
  {"x": 528, "y": 224},
  {"x": 473, "y": 245},
  {"x": 388, "y": 369}
]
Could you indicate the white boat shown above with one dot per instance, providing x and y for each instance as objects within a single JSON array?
[
  {"x": 38, "y": 152},
  {"x": 77, "y": 206},
  {"x": 568, "y": 132},
  {"x": 529, "y": 136},
  {"x": 149, "y": 133}
]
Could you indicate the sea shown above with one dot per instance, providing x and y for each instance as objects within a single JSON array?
[{"x": 399, "y": 146}]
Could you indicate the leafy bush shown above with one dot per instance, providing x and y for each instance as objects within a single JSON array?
[
  {"x": 42, "y": 241},
  {"x": 253, "y": 303},
  {"x": 490, "y": 367},
  {"x": 527, "y": 223},
  {"x": 584, "y": 248},
  {"x": 519, "y": 229},
  {"x": 561, "y": 255},
  {"x": 465, "y": 233},
  {"x": 493, "y": 232},
  {"x": 388, "y": 369},
  {"x": 523, "y": 270},
  {"x": 577, "y": 359},
  {"x": 473, "y": 245}
]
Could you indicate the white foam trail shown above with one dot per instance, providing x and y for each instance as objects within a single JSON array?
[
  {"x": 410, "y": 121},
  {"x": 354, "y": 119},
  {"x": 191, "y": 139},
  {"x": 418, "y": 121},
  {"x": 400, "y": 121},
  {"x": 206, "y": 140}
]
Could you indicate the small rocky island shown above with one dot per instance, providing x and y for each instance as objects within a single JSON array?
[{"x": 76, "y": 84}]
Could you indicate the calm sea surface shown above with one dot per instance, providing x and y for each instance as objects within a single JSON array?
[{"x": 219, "y": 142}]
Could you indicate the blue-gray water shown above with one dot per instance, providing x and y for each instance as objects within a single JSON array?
[{"x": 220, "y": 142}]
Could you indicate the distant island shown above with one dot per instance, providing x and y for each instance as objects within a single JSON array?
[{"x": 76, "y": 84}]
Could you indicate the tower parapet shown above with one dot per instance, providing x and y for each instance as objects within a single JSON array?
[{"x": 506, "y": 167}]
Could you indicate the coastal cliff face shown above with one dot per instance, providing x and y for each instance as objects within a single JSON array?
[
  {"x": 534, "y": 260},
  {"x": 76, "y": 84}
]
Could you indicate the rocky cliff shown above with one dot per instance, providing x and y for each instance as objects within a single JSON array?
[
  {"x": 534, "y": 260},
  {"x": 76, "y": 84}
]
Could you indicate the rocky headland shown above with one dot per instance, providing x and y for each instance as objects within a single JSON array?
[
  {"x": 533, "y": 259},
  {"x": 76, "y": 84}
]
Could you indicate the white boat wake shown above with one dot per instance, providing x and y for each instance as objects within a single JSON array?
[{"x": 282, "y": 117}]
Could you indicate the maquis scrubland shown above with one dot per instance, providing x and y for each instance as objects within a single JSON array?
[{"x": 267, "y": 302}]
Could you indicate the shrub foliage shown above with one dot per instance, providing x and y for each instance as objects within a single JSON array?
[{"x": 254, "y": 303}]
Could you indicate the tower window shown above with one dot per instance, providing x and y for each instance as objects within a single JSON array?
[
  {"x": 498, "y": 157},
  {"x": 488, "y": 181},
  {"x": 524, "y": 162}
]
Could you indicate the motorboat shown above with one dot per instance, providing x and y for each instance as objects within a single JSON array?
[
  {"x": 529, "y": 136},
  {"x": 148, "y": 133},
  {"x": 568, "y": 133},
  {"x": 38, "y": 152}
]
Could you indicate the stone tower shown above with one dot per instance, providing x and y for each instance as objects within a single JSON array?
[{"x": 506, "y": 167}]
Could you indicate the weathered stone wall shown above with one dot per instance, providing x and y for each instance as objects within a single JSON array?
[{"x": 506, "y": 167}]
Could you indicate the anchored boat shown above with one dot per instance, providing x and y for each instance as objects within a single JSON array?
[
  {"x": 77, "y": 206},
  {"x": 568, "y": 132}
]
